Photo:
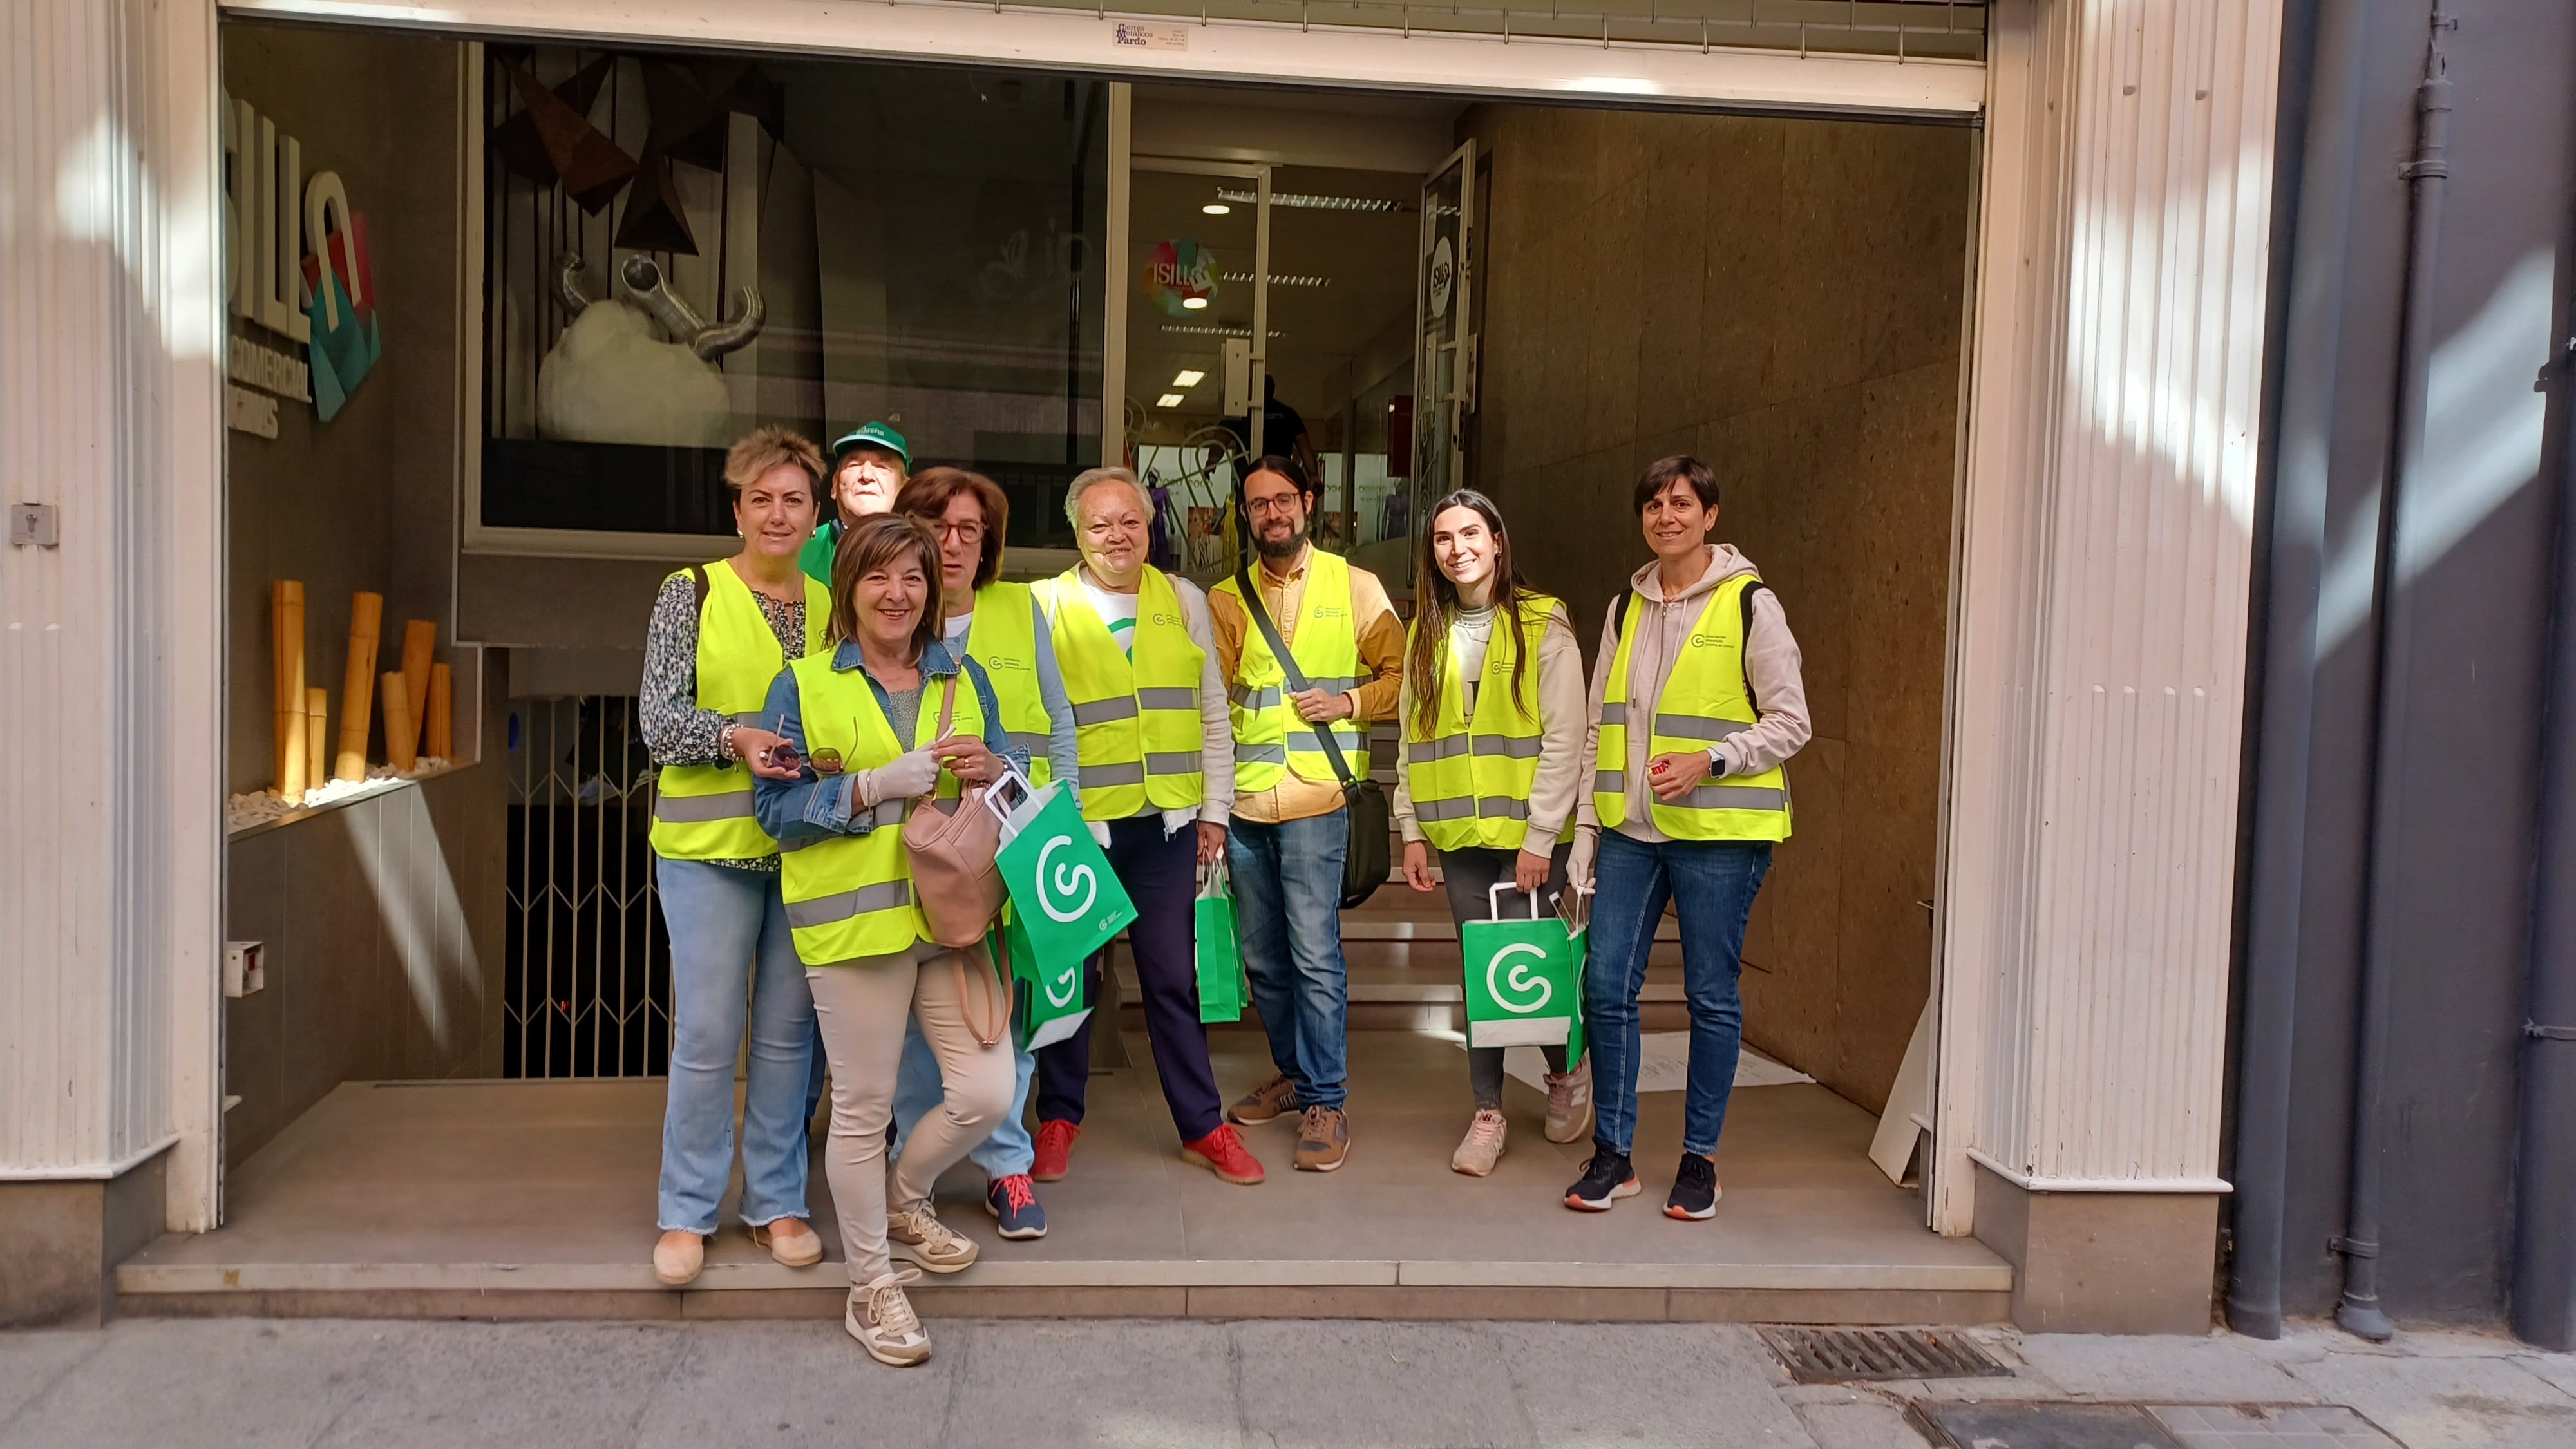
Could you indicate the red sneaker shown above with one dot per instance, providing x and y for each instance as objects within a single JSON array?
[
  {"x": 1055, "y": 1150},
  {"x": 1221, "y": 1152}
]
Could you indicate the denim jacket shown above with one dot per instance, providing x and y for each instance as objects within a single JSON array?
[{"x": 799, "y": 812}]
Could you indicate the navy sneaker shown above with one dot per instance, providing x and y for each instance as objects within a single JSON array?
[
  {"x": 1606, "y": 1179},
  {"x": 1013, "y": 1202}
]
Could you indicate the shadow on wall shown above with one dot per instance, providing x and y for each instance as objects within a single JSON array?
[{"x": 1783, "y": 299}]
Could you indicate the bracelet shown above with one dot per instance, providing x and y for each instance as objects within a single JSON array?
[{"x": 724, "y": 740}]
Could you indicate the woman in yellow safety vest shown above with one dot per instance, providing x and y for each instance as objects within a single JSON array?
[
  {"x": 999, "y": 626},
  {"x": 720, "y": 634},
  {"x": 864, "y": 720},
  {"x": 1492, "y": 766}
]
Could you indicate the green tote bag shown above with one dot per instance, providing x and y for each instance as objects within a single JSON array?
[
  {"x": 1524, "y": 978},
  {"x": 1065, "y": 904}
]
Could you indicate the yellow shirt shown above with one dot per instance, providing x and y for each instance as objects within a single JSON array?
[{"x": 1381, "y": 636}]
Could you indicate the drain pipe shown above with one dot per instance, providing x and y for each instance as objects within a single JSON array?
[
  {"x": 2544, "y": 1252},
  {"x": 2360, "y": 1311},
  {"x": 2324, "y": 104}
]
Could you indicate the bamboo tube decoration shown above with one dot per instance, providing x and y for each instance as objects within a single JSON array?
[
  {"x": 286, "y": 638},
  {"x": 398, "y": 723},
  {"x": 317, "y": 706},
  {"x": 419, "y": 637},
  {"x": 358, "y": 686},
  {"x": 441, "y": 713}
]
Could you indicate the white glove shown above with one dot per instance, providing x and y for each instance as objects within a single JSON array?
[
  {"x": 1578, "y": 864},
  {"x": 901, "y": 778},
  {"x": 1099, "y": 832}
]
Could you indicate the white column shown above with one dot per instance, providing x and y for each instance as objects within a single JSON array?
[
  {"x": 110, "y": 642},
  {"x": 2100, "y": 615}
]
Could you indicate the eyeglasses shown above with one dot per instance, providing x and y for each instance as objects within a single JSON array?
[
  {"x": 968, "y": 532},
  {"x": 1285, "y": 503}
]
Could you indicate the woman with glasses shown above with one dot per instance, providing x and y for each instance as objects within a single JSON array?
[
  {"x": 998, "y": 625},
  {"x": 1493, "y": 721}
]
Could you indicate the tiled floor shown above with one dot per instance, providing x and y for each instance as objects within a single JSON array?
[{"x": 498, "y": 1186}]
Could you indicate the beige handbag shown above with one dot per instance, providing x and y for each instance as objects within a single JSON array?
[{"x": 951, "y": 845}]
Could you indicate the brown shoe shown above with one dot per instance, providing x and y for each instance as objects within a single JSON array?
[
  {"x": 1323, "y": 1140},
  {"x": 1268, "y": 1102}
]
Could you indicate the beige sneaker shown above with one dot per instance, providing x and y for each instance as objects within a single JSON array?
[
  {"x": 1483, "y": 1144},
  {"x": 1323, "y": 1140},
  {"x": 1569, "y": 1103},
  {"x": 790, "y": 1242},
  {"x": 882, "y": 1320},
  {"x": 917, "y": 1235},
  {"x": 1268, "y": 1102}
]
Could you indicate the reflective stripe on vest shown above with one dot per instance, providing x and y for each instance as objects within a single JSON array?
[
  {"x": 851, "y": 895},
  {"x": 1704, "y": 701},
  {"x": 1004, "y": 639},
  {"x": 703, "y": 812},
  {"x": 1470, "y": 780},
  {"x": 1268, "y": 737},
  {"x": 1136, "y": 720}
]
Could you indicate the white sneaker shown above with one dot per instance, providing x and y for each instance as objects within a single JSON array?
[
  {"x": 1483, "y": 1144},
  {"x": 917, "y": 1235},
  {"x": 883, "y": 1322},
  {"x": 1569, "y": 1103}
]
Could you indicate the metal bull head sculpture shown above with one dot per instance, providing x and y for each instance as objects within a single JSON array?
[{"x": 644, "y": 282}]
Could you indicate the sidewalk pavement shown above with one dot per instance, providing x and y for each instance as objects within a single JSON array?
[{"x": 386, "y": 1385}]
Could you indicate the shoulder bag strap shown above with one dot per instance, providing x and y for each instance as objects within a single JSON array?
[
  {"x": 1755, "y": 587},
  {"x": 1296, "y": 676}
]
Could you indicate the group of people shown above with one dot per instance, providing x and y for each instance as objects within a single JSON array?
[{"x": 861, "y": 654}]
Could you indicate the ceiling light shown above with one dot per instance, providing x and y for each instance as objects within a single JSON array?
[
  {"x": 1188, "y": 377},
  {"x": 1306, "y": 202},
  {"x": 1201, "y": 329},
  {"x": 1194, "y": 303},
  {"x": 1283, "y": 280},
  {"x": 1216, "y": 208},
  {"x": 1168, "y": 400}
]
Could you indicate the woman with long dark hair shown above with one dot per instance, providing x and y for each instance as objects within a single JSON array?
[{"x": 1492, "y": 712}]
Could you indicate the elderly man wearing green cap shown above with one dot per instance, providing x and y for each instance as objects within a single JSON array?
[{"x": 868, "y": 467}]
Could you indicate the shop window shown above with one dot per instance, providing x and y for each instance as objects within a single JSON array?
[{"x": 681, "y": 248}]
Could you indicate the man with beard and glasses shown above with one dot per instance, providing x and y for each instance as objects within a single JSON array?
[{"x": 1291, "y": 824}]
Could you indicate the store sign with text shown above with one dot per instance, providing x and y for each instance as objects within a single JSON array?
[{"x": 299, "y": 270}]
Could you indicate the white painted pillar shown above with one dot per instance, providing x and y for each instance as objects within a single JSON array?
[
  {"x": 2100, "y": 614},
  {"x": 111, "y": 329}
]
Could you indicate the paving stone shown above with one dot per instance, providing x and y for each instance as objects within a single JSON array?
[
  {"x": 2558, "y": 1369},
  {"x": 154, "y": 1385},
  {"x": 1136, "y": 1385},
  {"x": 2287, "y": 1426},
  {"x": 1859, "y": 1423},
  {"x": 30, "y": 1362},
  {"x": 2212, "y": 1369},
  {"x": 1698, "y": 1384},
  {"x": 800, "y": 1383},
  {"x": 1347, "y": 1384},
  {"x": 2448, "y": 1403},
  {"x": 571, "y": 1386},
  {"x": 2048, "y": 1426}
]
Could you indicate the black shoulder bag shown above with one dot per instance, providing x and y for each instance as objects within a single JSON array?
[{"x": 1370, "y": 859}]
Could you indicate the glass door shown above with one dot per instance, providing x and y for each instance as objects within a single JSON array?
[{"x": 1198, "y": 327}]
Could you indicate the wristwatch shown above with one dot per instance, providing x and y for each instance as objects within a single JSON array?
[{"x": 1716, "y": 761}]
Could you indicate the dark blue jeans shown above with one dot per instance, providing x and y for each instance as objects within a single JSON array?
[
  {"x": 1288, "y": 910},
  {"x": 1715, "y": 882}
]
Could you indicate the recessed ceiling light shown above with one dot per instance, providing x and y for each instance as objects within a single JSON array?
[
  {"x": 1283, "y": 279},
  {"x": 1194, "y": 303},
  {"x": 1168, "y": 400},
  {"x": 1188, "y": 377},
  {"x": 1303, "y": 201},
  {"x": 1216, "y": 208}
]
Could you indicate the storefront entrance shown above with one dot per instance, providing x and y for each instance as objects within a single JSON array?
[{"x": 584, "y": 269}]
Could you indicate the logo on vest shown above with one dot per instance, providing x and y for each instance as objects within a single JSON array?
[
  {"x": 1166, "y": 620},
  {"x": 1003, "y": 661},
  {"x": 1711, "y": 641},
  {"x": 1060, "y": 885},
  {"x": 1329, "y": 611},
  {"x": 1511, "y": 989}
]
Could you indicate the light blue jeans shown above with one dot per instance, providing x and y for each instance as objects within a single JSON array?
[
  {"x": 918, "y": 1088},
  {"x": 1288, "y": 905},
  {"x": 1712, "y": 883},
  {"x": 732, "y": 964}
]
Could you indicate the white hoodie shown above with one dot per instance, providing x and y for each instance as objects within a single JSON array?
[{"x": 1770, "y": 662}]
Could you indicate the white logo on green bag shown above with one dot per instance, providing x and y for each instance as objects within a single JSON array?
[
  {"x": 1519, "y": 979},
  {"x": 1070, "y": 978},
  {"x": 1067, "y": 879}
]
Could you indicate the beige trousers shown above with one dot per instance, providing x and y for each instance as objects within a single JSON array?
[{"x": 861, "y": 1006}]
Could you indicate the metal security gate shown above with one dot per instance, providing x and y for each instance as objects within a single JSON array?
[{"x": 586, "y": 977}]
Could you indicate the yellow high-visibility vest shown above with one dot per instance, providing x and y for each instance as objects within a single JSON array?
[
  {"x": 1269, "y": 737},
  {"x": 1136, "y": 721},
  {"x": 1470, "y": 779},
  {"x": 703, "y": 812},
  {"x": 1704, "y": 701},
  {"x": 851, "y": 895},
  {"x": 1004, "y": 639}
]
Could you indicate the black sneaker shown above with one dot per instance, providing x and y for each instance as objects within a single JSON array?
[
  {"x": 1606, "y": 1179},
  {"x": 1695, "y": 1190}
]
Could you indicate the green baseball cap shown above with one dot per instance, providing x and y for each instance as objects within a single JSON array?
[{"x": 872, "y": 435}]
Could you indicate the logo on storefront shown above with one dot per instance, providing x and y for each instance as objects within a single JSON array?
[
  {"x": 1060, "y": 885},
  {"x": 1444, "y": 277},
  {"x": 297, "y": 266},
  {"x": 1181, "y": 276},
  {"x": 1512, "y": 990}
]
